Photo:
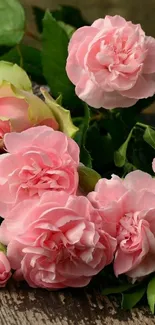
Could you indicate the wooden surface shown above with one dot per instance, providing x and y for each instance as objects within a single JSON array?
[{"x": 20, "y": 305}]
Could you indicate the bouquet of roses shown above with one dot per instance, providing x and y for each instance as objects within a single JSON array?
[{"x": 77, "y": 186}]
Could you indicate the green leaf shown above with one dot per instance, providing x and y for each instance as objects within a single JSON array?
[
  {"x": 141, "y": 154},
  {"x": 151, "y": 294},
  {"x": 85, "y": 157},
  {"x": 129, "y": 300},
  {"x": 12, "y": 19},
  {"x": 67, "y": 14},
  {"x": 120, "y": 154},
  {"x": 70, "y": 15},
  {"x": 62, "y": 115},
  {"x": 59, "y": 100},
  {"x": 54, "y": 56},
  {"x": 88, "y": 178},
  {"x": 149, "y": 136},
  {"x": 15, "y": 75},
  {"x": 27, "y": 57},
  {"x": 100, "y": 147},
  {"x": 67, "y": 28},
  {"x": 117, "y": 289},
  {"x": 116, "y": 128},
  {"x": 81, "y": 136}
]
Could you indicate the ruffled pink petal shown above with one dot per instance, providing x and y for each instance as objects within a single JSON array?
[
  {"x": 109, "y": 22},
  {"x": 70, "y": 269},
  {"x": 111, "y": 189},
  {"x": 153, "y": 165},
  {"x": 39, "y": 137},
  {"x": 5, "y": 127},
  {"x": 115, "y": 21},
  {"x": 60, "y": 197},
  {"x": 74, "y": 151},
  {"x": 122, "y": 84},
  {"x": 73, "y": 69},
  {"x": 82, "y": 201},
  {"x": 110, "y": 218},
  {"x": 99, "y": 23},
  {"x": 149, "y": 216},
  {"x": 145, "y": 200},
  {"x": 80, "y": 35},
  {"x": 50, "y": 122},
  {"x": 78, "y": 283},
  {"x": 149, "y": 63},
  {"x": 15, "y": 142},
  {"x": 8, "y": 164},
  {"x": 102, "y": 78},
  {"x": 138, "y": 180},
  {"x": 146, "y": 267},
  {"x": 5, "y": 265},
  {"x": 123, "y": 262},
  {"x": 144, "y": 87},
  {"x": 77, "y": 49},
  {"x": 114, "y": 99},
  {"x": 15, "y": 109},
  {"x": 85, "y": 89},
  {"x": 15, "y": 254},
  {"x": 5, "y": 235}
]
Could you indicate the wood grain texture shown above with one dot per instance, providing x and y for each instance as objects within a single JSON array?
[{"x": 21, "y": 305}]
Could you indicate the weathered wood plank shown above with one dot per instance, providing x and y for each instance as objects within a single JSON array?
[{"x": 21, "y": 305}]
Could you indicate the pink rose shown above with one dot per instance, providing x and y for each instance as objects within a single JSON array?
[
  {"x": 128, "y": 210},
  {"x": 153, "y": 165},
  {"x": 112, "y": 63},
  {"x": 20, "y": 110},
  {"x": 56, "y": 241},
  {"x": 38, "y": 160},
  {"x": 5, "y": 127},
  {"x": 5, "y": 269}
]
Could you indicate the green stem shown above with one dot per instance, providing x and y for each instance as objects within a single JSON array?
[
  {"x": 142, "y": 125},
  {"x": 20, "y": 56},
  {"x": 36, "y": 37},
  {"x": 77, "y": 119}
]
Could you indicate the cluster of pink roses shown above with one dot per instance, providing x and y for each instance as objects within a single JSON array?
[
  {"x": 56, "y": 235},
  {"x": 57, "y": 238}
]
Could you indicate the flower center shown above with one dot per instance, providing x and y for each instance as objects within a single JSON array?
[
  {"x": 121, "y": 53},
  {"x": 35, "y": 177},
  {"x": 129, "y": 232},
  {"x": 127, "y": 226}
]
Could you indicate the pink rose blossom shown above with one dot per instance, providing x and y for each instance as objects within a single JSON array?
[
  {"x": 20, "y": 110},
  {"x": 38, "y": 160},
  {"x": 128, "y": 210},
  {"x": 5, "y": 270},
  {"x": 153, "y": 165},
  {"x": 56, "y": 241},
  {"x": 5, "y": 127},
  {"x": 112, "y": 63}
]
